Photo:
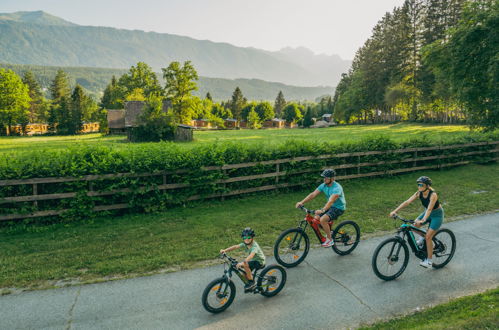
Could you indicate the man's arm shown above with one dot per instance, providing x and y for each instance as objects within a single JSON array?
[
  {"x": 330, "y": 202},
  {"x": 309, "y": 197}
]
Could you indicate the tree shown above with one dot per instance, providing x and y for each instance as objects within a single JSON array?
[
  {"x": 279, "y": 104},
  {"x": 307, "y": 119},
  {"x": 59, "y": 87},
  {"x": 292, "y": 113},
  {"x": 154, "y": 124},
  {"x": 219, "y": 111},
  {"x": 254, "y": 120},
  {"x": 237, "y": 103},
  {"x": 180, "y": 83},
  {"x": 14, "y": 99},
  {"x": 113, "y": 96},
  {"x": 208, "y": 96},
  {"x": 264, "y": 111},
  {"x": 37, "y": 107},
  {"x": 140, "y": 77},
  {"x": 247, "y": 109},
  {"x": 77, "y": 110}
]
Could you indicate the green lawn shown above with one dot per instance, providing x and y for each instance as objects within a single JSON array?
[
  {"x": 268, "y": 136},
  {"x": 34, "y": 255},
  {"x": 479, "y": 311}
]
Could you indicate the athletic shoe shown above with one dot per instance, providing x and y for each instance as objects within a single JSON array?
[
  {"x": 426, "y": 263},
  {"x": 249, "y": 286},
  {"x": 327, "y": 243}
]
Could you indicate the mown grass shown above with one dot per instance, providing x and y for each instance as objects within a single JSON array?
[
  {"x": 337, "y": 134},
  {"x": 479, "y": 311},
  {"x": 31, "y": 255}
]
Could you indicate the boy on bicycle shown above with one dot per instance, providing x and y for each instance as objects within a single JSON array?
[
  {"x": 255, "y": 258},
  {"x": 335, "y": 205}
]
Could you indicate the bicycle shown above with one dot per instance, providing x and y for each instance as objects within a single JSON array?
[
  {"x": 388, "y": 263},
  {"x": 292, "y": 245},
  {"x": 220, "y": 293}
]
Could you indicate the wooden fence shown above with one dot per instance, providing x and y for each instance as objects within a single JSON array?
[{"x": 414, "y": 161}]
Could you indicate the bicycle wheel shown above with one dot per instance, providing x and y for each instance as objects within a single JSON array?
[
  {"x": 271, "y": 280},
  {"x": 291, "y": 247},
  {"x": 388, "y": 262},
  {"x": 218, "y": 295},
  {"x": 346, "y": 237},
  {"x": 444, "y": 246}
]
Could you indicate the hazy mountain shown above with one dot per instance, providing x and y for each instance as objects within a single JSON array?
[
  {"x": 35, "y": 17},
  {"x": 95, "y": 80},
  {"x": 43, "y": 39}
]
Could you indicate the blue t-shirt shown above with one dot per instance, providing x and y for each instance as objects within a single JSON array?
[{"x": 335, "y": 189}]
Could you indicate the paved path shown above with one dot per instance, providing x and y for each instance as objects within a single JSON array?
[{"x": 326, "y": 291}]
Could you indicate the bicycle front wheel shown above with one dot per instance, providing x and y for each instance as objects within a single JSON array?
[
  {"x": 444, "y": 246},
  {"x": 271, "y": 280},
  {"x": 390, "y": 259},
  {"x": 218, "y": 295},
  {"x": 346, "y": 237},
  {"x": 291, "y": 247}
]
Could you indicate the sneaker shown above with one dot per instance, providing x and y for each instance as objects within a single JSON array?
[
  {"x": 249, "y": 286},
  {"x": 327, "y": 243},
  {"x": 426, "y": 263}
]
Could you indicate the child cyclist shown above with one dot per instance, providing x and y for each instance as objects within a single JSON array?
[{"x": 255, "y": 258}]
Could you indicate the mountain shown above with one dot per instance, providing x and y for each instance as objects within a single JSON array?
[
  {"x": 39, "y": 38},
  {"x": 95, "y": 80},
  {"x": 35, "y": 17}
]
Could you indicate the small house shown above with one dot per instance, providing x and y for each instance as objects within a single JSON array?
[{"x": 231, "y": 123}]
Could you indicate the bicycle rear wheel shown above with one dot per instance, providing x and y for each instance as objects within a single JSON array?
[
  {"x": 444, "y": 246},
  {"x": 346, "y": 237},
  {"x": 389, "y": 262},
  {"x": 218, "y": 295},
  {"x": 271, "y": 280},
  {"x": 291, "y": 247}
]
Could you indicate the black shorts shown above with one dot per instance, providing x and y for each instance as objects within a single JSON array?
[
  {"x": 333, "y": 213},
  {"x": 253, "y": 264}
]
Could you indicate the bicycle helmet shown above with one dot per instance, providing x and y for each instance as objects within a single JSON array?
[
  {"x": 424, "y": 179},
  {"x": 248, "y": 232},
  {"x": 328, "y": 173}
]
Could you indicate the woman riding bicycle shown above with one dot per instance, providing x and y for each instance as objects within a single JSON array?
[{"x": 433, "y": 214}]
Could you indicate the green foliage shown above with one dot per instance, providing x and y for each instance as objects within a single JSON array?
[
  {"x": 180, "y": 83},
  {"x": 254, "y": 120},
  {"x": 292, "y": 113},
  {"x": 264, "y": 111},
  {"x": 279, "y": 104},
  {"x": 154, "y": 124},
  {"x": 14, "y": 99},
  {"x": 308, "y": 118},
  {"x": 237, "y": 103}
]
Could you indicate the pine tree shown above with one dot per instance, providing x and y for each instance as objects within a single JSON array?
[
  {"x": 113, "y": 96},
  {"x": 279, "y": 104},
  {"x": 77, "y": 109},
  {"x": 237, "y": 103},
  {"x": 208, "y": 96},
  {"x": 37, "y": 100},
  {"x": 307, "y": 119},
  {"x": 59, "y": 86}
]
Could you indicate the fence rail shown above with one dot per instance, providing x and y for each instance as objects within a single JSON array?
[{"x": 276, "y": 173}]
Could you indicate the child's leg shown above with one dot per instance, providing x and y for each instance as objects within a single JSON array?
[{"x": 247, "y": 270}]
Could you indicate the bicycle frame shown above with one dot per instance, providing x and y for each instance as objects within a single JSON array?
[
  {"x": 314, "y": 223},
  {"x": 406, "y": 232}
]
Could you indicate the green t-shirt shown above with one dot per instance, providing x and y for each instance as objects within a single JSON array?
[{"x": 259, "y": 256}]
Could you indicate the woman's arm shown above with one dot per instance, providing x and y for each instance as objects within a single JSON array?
[{"x": 404, "y": 204}]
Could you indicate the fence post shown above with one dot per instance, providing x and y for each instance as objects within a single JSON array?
[
  {"x": 415, "y": 157},
  {"x": 224, "y": 184},
  {"x": 35, "y": 192},
  {"x": 358, "y": 164},
  {"x": 277, "y": 173}
]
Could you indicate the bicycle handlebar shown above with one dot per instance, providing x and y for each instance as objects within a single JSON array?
[
  {"x": 224, "y": 255},
  {"x": 396, "y": 216},
  {"x": 303, "y": 208}
]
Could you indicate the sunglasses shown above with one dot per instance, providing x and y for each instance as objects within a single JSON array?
[
  {"x": 420, "y": 184},
  {"x": 247, "y": 237}
]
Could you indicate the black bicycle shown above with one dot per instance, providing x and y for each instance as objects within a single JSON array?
[
  {"x": 292, "y": 246},
  {"x": 220, "y": 293},
  {"x": 391, "y": 257}
]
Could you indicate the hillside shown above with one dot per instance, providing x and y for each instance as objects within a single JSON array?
[
  {"x": 41, "y": 39},
  {"x": 95, "y": 80}
]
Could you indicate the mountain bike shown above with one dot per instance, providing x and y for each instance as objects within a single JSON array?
[
  {"x": 220, "y": 293},
  {"x": 292, "y": 245},
  {"x": 392, "y": 255}
]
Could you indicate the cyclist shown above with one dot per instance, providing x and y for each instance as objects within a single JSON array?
[
  {"x": 255, "y": 258},
  {"x": 433, "y": 214},
  {"x": 334, "y": 207}
]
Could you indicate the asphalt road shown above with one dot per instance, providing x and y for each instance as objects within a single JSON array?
[{"x": 326, "y": 291}]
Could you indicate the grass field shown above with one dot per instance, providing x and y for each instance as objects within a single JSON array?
[
  {"x": 182, "y": 237},
  {"x": 479, "y": 311},
  {"x": 269, "y": 136}
]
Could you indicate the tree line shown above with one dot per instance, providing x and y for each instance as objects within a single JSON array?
[{"x": 428, "y": 60}]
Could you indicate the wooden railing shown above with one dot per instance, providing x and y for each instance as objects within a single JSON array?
[{"x": 412, "y": 163}]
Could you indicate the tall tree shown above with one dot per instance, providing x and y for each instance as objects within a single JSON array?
[
  {"x": 279, "y": 104},
  {"x": 180, "y": 83},
  {"x": 59, "y": 86},
  {"x": 141, "y": 77},
  {"x": 113, "y": 96},
  {"x": 307, "y": 119},
  {"x": 237, "y": 103},
  {"x": 265, "y": 111},
  {"x": 292, "y": 113},
  {"x": 208, "y": 96},
  {"x": 77, "y": 109},
  {"x": 36, "y": 108},
  {"x": 254, "y": 120},
  {"x": 14, "y": 99}
]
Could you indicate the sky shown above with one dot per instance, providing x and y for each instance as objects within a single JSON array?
[{"x": 323, "y": 26}]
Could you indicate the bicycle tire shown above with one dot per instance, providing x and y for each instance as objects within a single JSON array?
[
  {"x": 442, "y": 247},
  {"x": 391, "y": 259},
  {"x": 272, "y": 280},
  {"x": 291, "y": 236},
  {"x": 342, "y": 236},
  {"x": 212, "y": 288}
]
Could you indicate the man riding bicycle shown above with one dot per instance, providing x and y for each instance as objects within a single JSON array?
[{"x": 334, "y": 207}]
